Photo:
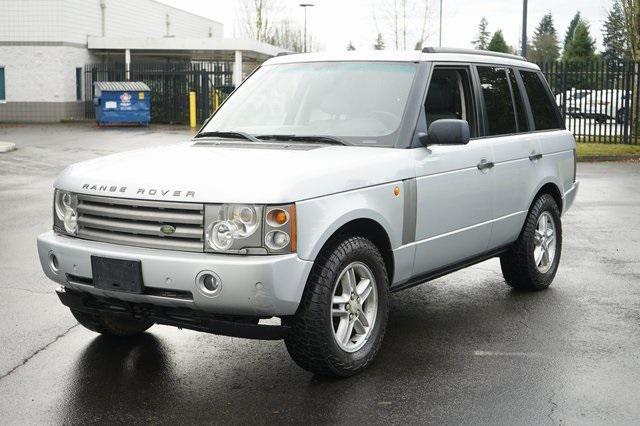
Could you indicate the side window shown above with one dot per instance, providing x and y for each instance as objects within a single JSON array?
[
  {"x": 543, "y": 109},
  {"x": 498, "y": 103},
  {"x": 2, "y": 94},
  {"x": 78, "y": 84},
  {"x": 523, "y": 123},
  {"x": 450, "y": 96}
]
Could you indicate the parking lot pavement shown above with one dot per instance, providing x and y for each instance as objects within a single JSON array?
[{"x": 462, "y": 349}]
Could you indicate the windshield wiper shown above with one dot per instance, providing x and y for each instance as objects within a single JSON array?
[
  {"x": 228, "y": 135},
  {"x": 311, "y": 139}
]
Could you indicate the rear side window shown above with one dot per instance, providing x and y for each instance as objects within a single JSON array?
[
  {"x": 498, "y": 103},
  {"x": 544, "y": 112}
]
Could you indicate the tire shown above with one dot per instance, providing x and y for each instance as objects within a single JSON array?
[
  {"x": 112, "y": 325},
  {"x": 520, "y": 268},
  {"x": 320, "y": 320}
]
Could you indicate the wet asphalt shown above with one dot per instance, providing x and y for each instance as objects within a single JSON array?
[{"x": 464, "y": 349}]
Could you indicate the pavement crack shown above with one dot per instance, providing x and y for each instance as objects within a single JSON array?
[
  {"x": 37, "y": 351},
  {"x": 26, "y": 290},
  {"x": 554, "y": 406}
]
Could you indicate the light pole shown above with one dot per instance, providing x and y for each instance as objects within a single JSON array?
[
  {"x": 440, "y": 38},
  {"x": 305, "y": 6},
  {"x": 524, "y": 28}
]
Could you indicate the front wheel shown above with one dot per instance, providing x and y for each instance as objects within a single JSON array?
[
  {"x": 112, "y": 325},
  {"x": 532, "y": 262},
  {"x": 342, "y": 317}
]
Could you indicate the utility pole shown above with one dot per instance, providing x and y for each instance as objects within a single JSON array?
[
  {"x": 524, "y": 29},
  {"x": 440, "y": 38},
  {"x": 305, "y": 6}
]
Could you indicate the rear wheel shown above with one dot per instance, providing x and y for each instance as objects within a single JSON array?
[
  {"x": 342, "y": 316},
  {"x": 532, "y": 262},
  {"x": 112, "y": 325}
]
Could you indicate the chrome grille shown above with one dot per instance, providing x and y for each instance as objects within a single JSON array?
[{"x": 138, "y": 222}]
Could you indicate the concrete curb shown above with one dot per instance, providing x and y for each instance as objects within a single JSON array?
[
  {"x": 597, "y": 158},
  {"x": 7, "y": 146}
]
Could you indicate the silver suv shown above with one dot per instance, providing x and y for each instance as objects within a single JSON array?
[{"x": 321, "y": 186}]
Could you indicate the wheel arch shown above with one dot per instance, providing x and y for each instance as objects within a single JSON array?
[
  {"x": 373, "y": 231},
  {"x": 552, "y": 188}
]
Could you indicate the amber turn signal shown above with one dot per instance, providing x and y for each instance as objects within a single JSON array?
[{"x": 277, "y": 217}]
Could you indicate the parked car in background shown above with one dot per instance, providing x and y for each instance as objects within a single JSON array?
[
  {"x": 599, "y": 105},
  {"x": 571, "y": 101},
  {"x": 324, "y": 183}
]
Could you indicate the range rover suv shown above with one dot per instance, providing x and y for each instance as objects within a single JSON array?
[{"x": 322, "y": 185}]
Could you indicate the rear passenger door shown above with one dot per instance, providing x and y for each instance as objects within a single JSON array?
[{"x": 516, "y": 152}]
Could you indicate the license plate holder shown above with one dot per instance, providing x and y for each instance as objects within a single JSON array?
[{"x": 117, "y": 274}]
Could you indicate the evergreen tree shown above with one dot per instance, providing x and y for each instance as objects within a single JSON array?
[
  {"x": 572, "y": 28},
  {"x": 379, "y": 43},
  {"x": 581, "y": 46},
  {"x": 545, "y": 46},
  {"x": 350, "y": 46},
  {"x": 498, "y": 44},
  {"x": 482, "y": 42},
  {"x": 614, "y": 36}
]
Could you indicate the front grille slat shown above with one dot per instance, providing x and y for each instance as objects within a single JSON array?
[
  {"x": 144, "y": 228},
  {"x": 138, "y": 222},
  {"x": 143, "y": 214}
]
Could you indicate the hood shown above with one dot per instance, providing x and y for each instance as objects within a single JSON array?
[{"x": 237, "y": 172}]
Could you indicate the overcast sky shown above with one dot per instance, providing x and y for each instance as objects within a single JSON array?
[{"x": 334, "y": 23}]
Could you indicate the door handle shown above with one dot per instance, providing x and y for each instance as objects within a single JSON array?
[
  {"x": 485, "y": 165},
  {"x": 534, "y": 156}
]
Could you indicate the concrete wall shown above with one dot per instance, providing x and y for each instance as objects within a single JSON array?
[
  {"x": 72, "y": 21},
  {"x": 43, "y": 41}
]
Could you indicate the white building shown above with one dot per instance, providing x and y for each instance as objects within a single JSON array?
[{"x": 45, "y": 44}]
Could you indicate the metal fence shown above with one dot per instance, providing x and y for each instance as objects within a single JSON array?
[
  {"x": 599, "y": 99},
  {"x": 170, "y": 85}
]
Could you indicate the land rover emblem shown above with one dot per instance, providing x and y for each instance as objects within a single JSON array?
[{"x": 167, "y": 229}]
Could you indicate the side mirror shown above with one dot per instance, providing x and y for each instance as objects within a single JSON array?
[{"x": 447, "y": 132}]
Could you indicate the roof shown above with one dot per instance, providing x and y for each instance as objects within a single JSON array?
[
  {"x": 222, "y": 48},
  {"x": 431, "y": 55},
  {"x": 121, "y": 86}
]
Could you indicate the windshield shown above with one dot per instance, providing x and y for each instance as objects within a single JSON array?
[{"x": 359, "y": 102}]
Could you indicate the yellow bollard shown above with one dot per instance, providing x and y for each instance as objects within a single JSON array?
[
  {"x": 216, "y": 99},
  {"x": 192, "y": 109}
]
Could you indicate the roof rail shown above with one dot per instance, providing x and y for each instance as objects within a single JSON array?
[
  {"x": 285, "y": 54},
  {"x": 471, "y": 52}
]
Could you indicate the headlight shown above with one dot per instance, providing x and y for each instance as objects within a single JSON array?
[
  {"x": 245, "y": 228},
  {"x": 65, "y": 217}
]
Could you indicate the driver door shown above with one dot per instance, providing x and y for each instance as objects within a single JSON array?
[{"x": 454, "y": 184}]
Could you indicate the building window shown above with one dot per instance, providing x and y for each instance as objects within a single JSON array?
[
  {"x": 2, "y": 92},
  {"x": 78, "y": 84}
]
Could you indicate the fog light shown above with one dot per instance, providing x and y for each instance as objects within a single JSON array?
[
  {"x": 54, "y": 265},
  {"x": 209, "y": 283}
]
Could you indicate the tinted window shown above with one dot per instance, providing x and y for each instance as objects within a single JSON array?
[
  {"x": 497, "y": 100},
  {"x": 542, "y": 107},
  {"x": 450, "y": 97},
  {"x": 523, "y": 124},
  {"x": 78, "y": 84},
  {"x": 2, "y": 96}
]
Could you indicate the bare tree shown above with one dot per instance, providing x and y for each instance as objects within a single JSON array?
[
  {"x": 288, "y": 36},
  {"x": 631, "y": 19},
  {"x": 404, "y": 21},
  {"x": 257, "y": 18}
]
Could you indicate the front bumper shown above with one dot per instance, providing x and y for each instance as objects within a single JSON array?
[{"x": 251, "y": 285}]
